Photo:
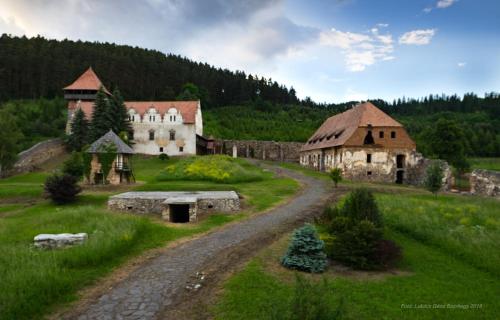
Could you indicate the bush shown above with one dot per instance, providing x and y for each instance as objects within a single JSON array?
[
  {"x": 434, "y": 177},
  {"x": 62, "y": 188},
  {"x": 74, "y": 165},
  {"x": 306, "y": 251},
  {"x": 357, "y": 233},
  {"x": 336, "y": 175},
  {"x": 360, "y": 205},
  {"x": 355, "y": 245},
  {"x": 163, "y": 157}
]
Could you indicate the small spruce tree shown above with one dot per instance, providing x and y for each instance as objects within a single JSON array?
[
  {"x": 306, "y": 251},
  {"x": 434, "y": 177},
  {"x": 101, "y": 116},
  {"x": 62, "y": 188},
  {"x": 118, "y": 112},
  {"x": 79, "y": 135},
  {"x": 336, "y": 176}
]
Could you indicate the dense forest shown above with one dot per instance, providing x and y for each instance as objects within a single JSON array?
[
  {"x": 32, "y": 68},
  {"x": 235, "y": 105}
]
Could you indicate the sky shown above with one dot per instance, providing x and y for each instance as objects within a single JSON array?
[{"x": 330, "y": 50}]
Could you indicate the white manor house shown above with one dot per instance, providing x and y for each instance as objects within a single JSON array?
[{"x": 171, "y": 127}]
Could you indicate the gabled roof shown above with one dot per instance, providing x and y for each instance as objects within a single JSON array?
[
  {"x": 186, "y": 108},
  {"x": 110, "y": 138},
  {"x": 87, "y": 81},
  {"x": 336, "y": 130}
]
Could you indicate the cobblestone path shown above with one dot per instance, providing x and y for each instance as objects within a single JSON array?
[{"x": 153, "y": 287}]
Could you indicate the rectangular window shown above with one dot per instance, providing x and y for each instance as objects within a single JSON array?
[
  {"x": 151, "y": 135},
  {"x": 181, "y": 149},
  {"x": 369, "y": 173},
  {"x": 393, "y": 134},
  {"x": 172, "y": 135},
  {"x": 381, "y": 134},
  {"x": 369, "y": 158},
  {"x": 161, "y": 149}
]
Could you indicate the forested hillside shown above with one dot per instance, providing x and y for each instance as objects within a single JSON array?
[
  {"x": 37, "y": 67},
  {"x": 235, "y": 105}
]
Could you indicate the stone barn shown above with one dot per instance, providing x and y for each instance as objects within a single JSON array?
[
  {"x": 366, "y": 144},
  {"x": 110, "y": 161}
]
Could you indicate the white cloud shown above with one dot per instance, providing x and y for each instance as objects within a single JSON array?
[
  {"x": 417, "y": 37},
  {"x": 461, "y": 64},
  {"x": 360, "y": 49},
  {"x": 382, "y": 25},
  {"x": 445, "y": 3},
  {"x": 441, "y": 4}
]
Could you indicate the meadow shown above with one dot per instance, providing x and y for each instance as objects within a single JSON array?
[
  {"x": 35, "y": 282},
  {"x": 450, "y": 266}
]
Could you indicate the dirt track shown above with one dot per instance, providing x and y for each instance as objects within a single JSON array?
[{"x": 157, "y": 288}]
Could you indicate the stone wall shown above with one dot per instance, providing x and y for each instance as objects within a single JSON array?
[
  {"x": 264, "y": 150},
  {"x": 485, "y": 183},
  {"x": 374, "y": 164},
  {"x": 31, "y": 159}
]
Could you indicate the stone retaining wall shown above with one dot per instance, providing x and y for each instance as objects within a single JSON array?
[
  {"x": 29, "y": 160},
  {"x": 264, "y": 150},
  {"x": 485, "y": 183}
]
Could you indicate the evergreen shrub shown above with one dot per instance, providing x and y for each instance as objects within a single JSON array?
[
  {"x": 163, "y": 157},
  {"x": 356, "y": 229},
  {"x": 306, "y": 251},
  {"x": 62, "y": 188},
  {"x": 74, "y": 166}
]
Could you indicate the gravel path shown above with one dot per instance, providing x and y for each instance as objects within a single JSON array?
[{"x": 153, "y": 288}]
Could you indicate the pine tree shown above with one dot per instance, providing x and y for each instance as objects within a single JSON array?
[
  {"x": 118, "y": 114},
  {"x": 306, "y": 251},
  {"x": 101, "y": 119},
  {"x": 79, "y": 136}
]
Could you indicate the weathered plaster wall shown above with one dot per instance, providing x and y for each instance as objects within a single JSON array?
[
  {"x": 31, "y": 159},
  {"x": 485, "y": 183},
  {"x": 353, "y": 161},
  {"x": 264, "y": 150}
]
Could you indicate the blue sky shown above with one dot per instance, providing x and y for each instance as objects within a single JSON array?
[{"x": 332, "y": 51}]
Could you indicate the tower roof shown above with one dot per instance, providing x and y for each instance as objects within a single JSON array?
[
  {"x": 336, "y": 130},
  {"x": 110, "y": 138},
  {"x": 87, "y": 81}
]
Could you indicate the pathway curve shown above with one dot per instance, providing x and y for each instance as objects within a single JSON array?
[{"x": 153, "y": 288}]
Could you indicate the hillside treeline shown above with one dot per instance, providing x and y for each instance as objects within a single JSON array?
[{"x": 32, "y": 68}]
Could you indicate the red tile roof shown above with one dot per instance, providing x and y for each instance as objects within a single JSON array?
[
  {"x": 186, "y": 108},
  {"x": 336, "y": 130},
  {"x": 87, "y": 81}
]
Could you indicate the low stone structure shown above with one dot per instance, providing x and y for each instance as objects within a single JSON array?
[
  {"x": 54, "y": 241},
  {"x": 176, "y": 206},
  {"x": 485, "y": 183}
]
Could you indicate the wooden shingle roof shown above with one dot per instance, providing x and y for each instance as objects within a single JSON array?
[
  {"x": 108, "y": 139},
  {"x": 336, "y": 130}
]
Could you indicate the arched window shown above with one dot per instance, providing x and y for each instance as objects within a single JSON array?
[
  {"x": 172, "y": 135},
  {"x": 151, "y": 134},
  {"x": 369, "y": 138}
]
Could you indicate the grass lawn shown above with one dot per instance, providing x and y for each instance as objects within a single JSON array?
[
  {"x": 485, "y": 163},
  {"x": 33, "y": 282},
  {"x": 450, "y": 263}
]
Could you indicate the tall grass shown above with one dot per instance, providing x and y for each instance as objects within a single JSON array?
[
  {"x": 217, "y": 168},
  {"x": 466, "y": 227},
  {"x": 273, "y": 299}
]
